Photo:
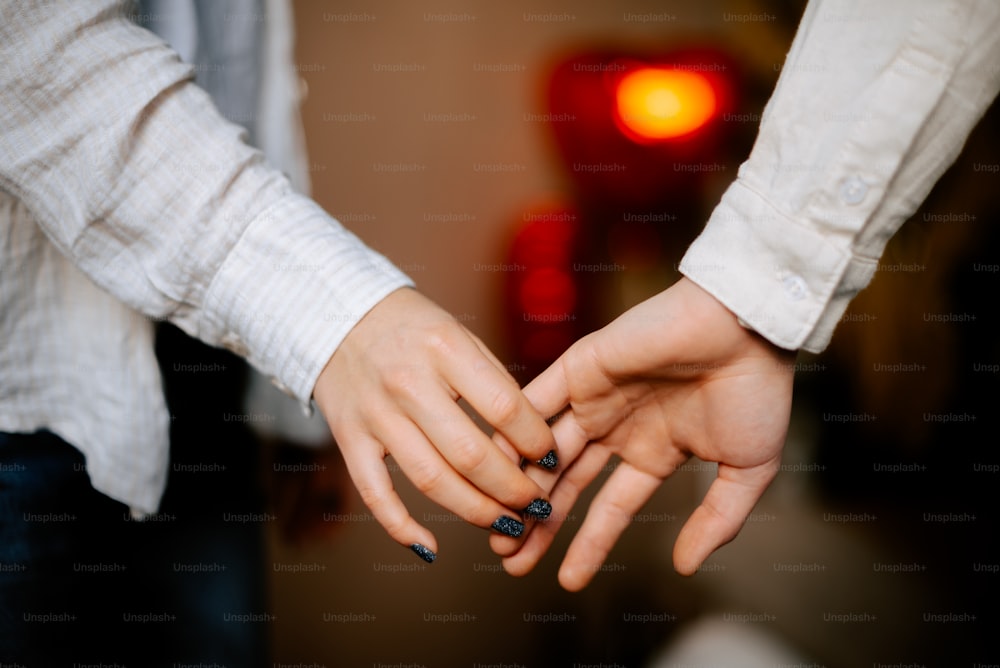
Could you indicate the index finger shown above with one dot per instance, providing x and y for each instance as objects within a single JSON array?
[
  {"x": 548, "y": 392},
  {"x": 498, "y": 399},
  {"x": 470, "y": 452}
]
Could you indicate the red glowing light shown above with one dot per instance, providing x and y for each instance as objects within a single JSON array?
[
  {"x": 548, "y": 295},
  {"x": 654, "y": 104}
]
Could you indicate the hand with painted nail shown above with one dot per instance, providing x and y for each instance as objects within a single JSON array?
[
  {"x": 392, "y": 387},
  {"x": 674, "y": 377}
]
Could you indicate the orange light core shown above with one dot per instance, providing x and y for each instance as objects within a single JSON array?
[{"x": 657, "y": 104}]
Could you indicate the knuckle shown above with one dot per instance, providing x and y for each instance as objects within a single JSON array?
[
  {"x": 617, "y": 511},
  {"x": 440, "y": 338},
  {"x": 481, "y": 512},
  {"x": 373, "y": 498},
  {"x": 518, "y": 491},
  {"x": 378, "y": 502},
  {"x": 468, "y": 453},
  {"x": 402, "y": 380},
  {"x": 571, "y": 488},
  {"x": 425, "y": 475},
  {"x": 505, "y": 408},
  {"x": 594, "y": 546}
]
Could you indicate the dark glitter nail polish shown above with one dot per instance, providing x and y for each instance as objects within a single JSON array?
[
  {"x": 539, "y": 509},
  {"x": 424, "y": 553},
  {"x": 549, "y": 461},
  {"x": 508, "y": 526}
]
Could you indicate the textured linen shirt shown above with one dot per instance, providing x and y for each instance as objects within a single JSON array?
[
  {"x": 874, "y": 102},
  {"x": 126, "y": 198}
]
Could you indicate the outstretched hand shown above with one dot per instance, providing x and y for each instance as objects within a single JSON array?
[
  {"x": 391, "y": 388},
  {"x": 673, "y": 377}
]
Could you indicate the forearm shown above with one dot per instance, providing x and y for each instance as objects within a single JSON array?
[{"x": 133, "y": 174}]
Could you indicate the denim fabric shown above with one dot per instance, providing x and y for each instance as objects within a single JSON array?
[{"x": 83, "y": 583}]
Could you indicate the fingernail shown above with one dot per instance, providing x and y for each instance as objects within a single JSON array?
[
  {"x": 423, "y": 553},
  {"x": 539, "y": 508},
  {"x": 508, "y": 526},
  {"x": 549, "y": 461}
]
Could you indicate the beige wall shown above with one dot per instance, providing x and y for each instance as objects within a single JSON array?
[{"x": 359, "y": 119}]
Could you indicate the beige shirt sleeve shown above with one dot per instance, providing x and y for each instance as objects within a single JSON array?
[
  {"x": 133, "y": 175},
  {"x": 874, "y": 102}
]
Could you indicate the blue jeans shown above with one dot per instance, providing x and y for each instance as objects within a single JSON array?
[{"x": 81, "y": 582}]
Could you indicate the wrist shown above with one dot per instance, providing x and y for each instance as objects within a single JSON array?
[{"x": 712, "y": 316}]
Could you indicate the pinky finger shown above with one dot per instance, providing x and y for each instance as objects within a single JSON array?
[{"x": 374, "y": 484}]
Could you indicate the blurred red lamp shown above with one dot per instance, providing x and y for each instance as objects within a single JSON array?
[
  {"x": 627, "y": 126},
  {"x": 636, "y": 133},
  {"x": 656, "y": 104}
]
